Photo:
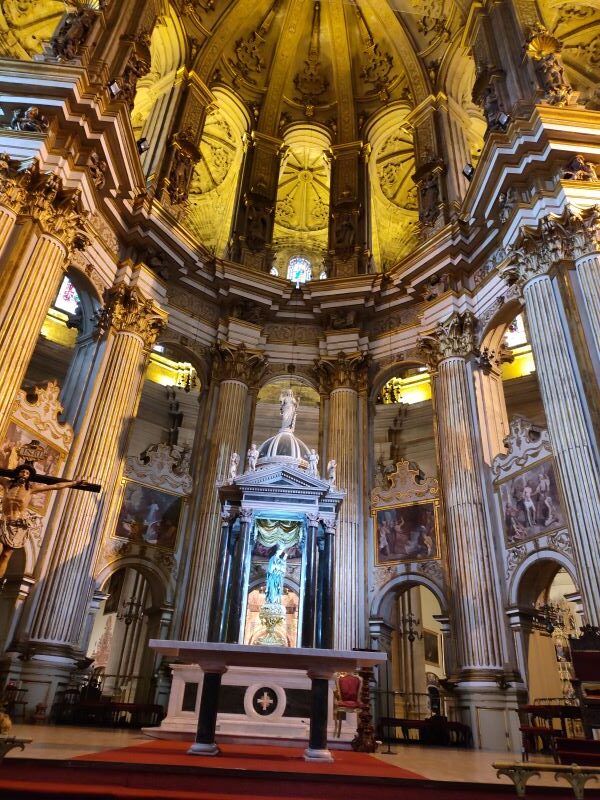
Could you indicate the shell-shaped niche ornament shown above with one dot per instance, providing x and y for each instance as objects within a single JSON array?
[{"x": 542, "y": 44}]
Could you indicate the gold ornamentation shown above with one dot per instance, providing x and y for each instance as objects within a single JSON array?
[
  {"x": 311, "y": 82},
  {"x": 544, "y": 49},
  {"x": 127, "y": 310},
  {"x": 248, "y": 58},
  {"x": 455, "y": 337},
  {"x": 343, "y": 372}
]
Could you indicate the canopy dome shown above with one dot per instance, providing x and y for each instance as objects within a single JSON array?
[{"x": 285, "y": 448}]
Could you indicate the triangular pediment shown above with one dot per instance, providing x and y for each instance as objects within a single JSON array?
[{"x": 282, "y": 477}]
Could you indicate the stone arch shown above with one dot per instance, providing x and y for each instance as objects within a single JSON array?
[
  {"x": 384, "y": 596},
  {"x": 281, "y": 371},
  {"x": 546, "y": 563},
  {"x": 155, "y": 577},
  {"x": 199, "y": 361},
  {"x": 494, "y": 329},
  {"x": 384, "y": 373}
]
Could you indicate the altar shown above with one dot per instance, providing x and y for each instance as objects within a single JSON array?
[
  {"x": 269, "y": 659},
  {"x": 215, "y": 659}
]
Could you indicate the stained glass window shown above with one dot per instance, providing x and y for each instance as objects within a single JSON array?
[
  {"x": 67, "y": 298},
  {"x": 299, "y": 270}
]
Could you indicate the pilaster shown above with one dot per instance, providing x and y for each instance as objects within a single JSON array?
[{"x": 349, "y": 237}]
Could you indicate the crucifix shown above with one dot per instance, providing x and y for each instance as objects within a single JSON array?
[{"x": 19, "y": 485}]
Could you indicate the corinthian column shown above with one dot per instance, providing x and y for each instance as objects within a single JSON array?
[
  {"x": 234, "y": 369},
  {"x": 131, "y": 322},
  {"x": 585, "y": 238},
  {"x": 537, "y": 253},
  {"x": 344, "y": 378},
  {"x": 44, "y": 232},
  {"x": 475, "y": 579}
]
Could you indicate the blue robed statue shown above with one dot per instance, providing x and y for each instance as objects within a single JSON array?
[{"x": 276, "y": 569}]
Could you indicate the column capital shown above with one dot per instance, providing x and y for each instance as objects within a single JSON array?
[
  {"x": 568, "y": 236},
  {"x": 237, "y": 363},
  {"x": 127, "y": 310},
  {"x": 27, "y": 191},
  {"x": 312, "y": 519},
  {"x": 246, "y": 515},
  {"x": 343, "y": 372},
  {"x": 454, "y": 336}
]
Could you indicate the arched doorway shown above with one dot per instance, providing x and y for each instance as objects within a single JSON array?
[
  {"x": 121, "y": 668},
  {"x": 549, "y": 613}
]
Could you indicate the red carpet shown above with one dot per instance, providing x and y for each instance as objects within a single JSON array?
[
  {"x": 160, "y": 770},
  {"x": 250, "y": 757}
]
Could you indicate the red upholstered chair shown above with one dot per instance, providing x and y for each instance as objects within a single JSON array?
[{"x": 346, "y": 698}]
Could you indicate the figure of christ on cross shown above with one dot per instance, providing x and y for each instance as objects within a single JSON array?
[{"x": 16, "y": 520}]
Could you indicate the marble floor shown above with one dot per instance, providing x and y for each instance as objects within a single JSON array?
[{"x": 445, "y": 764}]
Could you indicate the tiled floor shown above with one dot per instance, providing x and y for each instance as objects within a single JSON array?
[{"x": 59, "y": 742}]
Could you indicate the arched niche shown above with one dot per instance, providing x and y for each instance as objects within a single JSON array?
[
  {"x": 402, "y": 418},
  {"x": 302, "y": 209},
  {"x": 157, "y": 92},
  {"x": 214, "y": 184},
  {"x": 393, "y": 196}
]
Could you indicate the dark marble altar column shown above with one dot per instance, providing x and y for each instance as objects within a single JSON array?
[
  {"x": 237, "y": 583},
  {"x": 324, "y": 621},
  {"x": 309, "y": 600},
  {"x": 219, "y": 608}
]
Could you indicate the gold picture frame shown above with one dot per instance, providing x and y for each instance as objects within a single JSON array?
[
  {"x": 406, "y": 532},
  {"x": 149, "y": 515}
]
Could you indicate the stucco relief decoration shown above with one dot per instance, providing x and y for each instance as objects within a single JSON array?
[
  {"x": 137, "y": 66},
  {"x": 185, "y": 156},
  {"x": 26, "y": 24},
  {"x": 165, "y": 466},
  {"x": 30, "y": 120},
  {"x": 378, "y": 65},
  {"x": 544, "y": 50},
  {"x": 578, "y": 169},
  {"x": 39, "y": 409},
  {"x": 514, "y": 557},
  {"x": 311, "y": 82},
  {"x": 427, "y": 178},
  {"x": 73, "y": 32},
  {"x": 247, "y": 60}
]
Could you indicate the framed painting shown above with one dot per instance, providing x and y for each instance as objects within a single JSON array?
[
  {"x": 406, "y": 532},
  {"x": 149, "y": 515},
  {"x": 531, "y": 503},
  {"x": 431, "y": 648},
  {"x": 50, "y": 457}
]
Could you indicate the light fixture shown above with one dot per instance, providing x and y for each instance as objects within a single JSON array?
[
  {"x": 142, "y": 145},
  {"x": 468, "y": 171},
  {"x": 131, "y": 611},
  {"x": 503, "y": 120},
  {"x": 114, "y": 88}
]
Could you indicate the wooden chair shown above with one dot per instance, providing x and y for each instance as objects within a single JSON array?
[{"x": 346, "y": 698}]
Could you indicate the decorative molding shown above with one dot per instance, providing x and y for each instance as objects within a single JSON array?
[
  {"x": 165, "y": 466},
  {"x": 41, "y": 413},
  {"x": 561, "y": 542},
  {"x": 544, "y": 51},
  {"x": 525, "y": 444},
  {"x": 514, "y": 557},
  {"x": 406, "y": 484}
]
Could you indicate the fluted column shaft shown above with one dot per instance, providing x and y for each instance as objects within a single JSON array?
[
  {"x": 342, "y": 445},
  {"x": 77, "y": 529},
  {"x": 23, "y": 308},
  {"x": 474, "y": 573},
  {"x": 588, "y": 272},
  {"x": 7, "y": 223},
  {"x": 573, "y": 447},
  {"x": 226, "y": 438}
]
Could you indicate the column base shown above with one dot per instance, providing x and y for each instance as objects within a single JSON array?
[
  {"x": 492, "y": 714},
  {"x": 203, "y": 749},
  {"x": 42, "y": 676},
  {"x": 318, "y": 755}
]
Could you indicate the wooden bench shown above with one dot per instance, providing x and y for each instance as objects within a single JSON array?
[
  {"x": 434, "y": 731},
  {"x": 581, "y": 751},
  {"x": 520, "y": 772},
  {"x": 8, "y": 743}
]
